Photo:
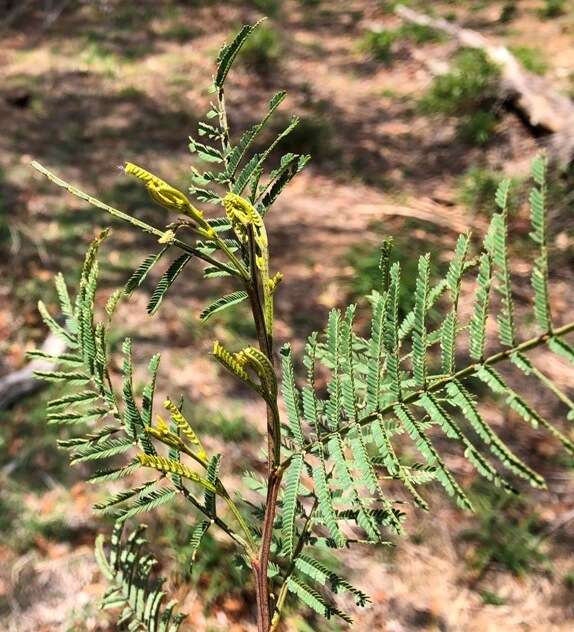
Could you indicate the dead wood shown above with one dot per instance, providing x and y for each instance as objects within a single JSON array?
[
  {"x": 21, "y": 383},
  {"x": 534, "y": 96}
]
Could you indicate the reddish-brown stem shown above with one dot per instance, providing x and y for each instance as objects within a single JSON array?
[
  {"x": 274, "y": 470},
  {"x": 259, "y": 596},
  {"x": 274, "y": 484}
]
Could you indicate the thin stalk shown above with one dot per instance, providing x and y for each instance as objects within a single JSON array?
[
  {"x": 265, "y": 339},
  {"x": 273, "y": 479},
  {"x": 223, "y": 125},
  {"x": 559, "y": 393},
  {"x": 134, "y": 221},
  {"x": 216, "y": 519},
  {"x": 265, "y": 342},
  {"x": 235, "y": 511},
  {"x": 259, "y": 595}
]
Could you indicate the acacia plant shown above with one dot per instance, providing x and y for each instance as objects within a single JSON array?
[{"x": 332, "y": 463}]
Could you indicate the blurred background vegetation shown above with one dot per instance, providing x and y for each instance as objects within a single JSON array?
[{"x": 398, "y": 148}]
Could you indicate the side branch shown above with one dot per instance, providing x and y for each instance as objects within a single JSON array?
[
  {"x": 134, "y": 221},
  {"x": 437, "y": 385}
]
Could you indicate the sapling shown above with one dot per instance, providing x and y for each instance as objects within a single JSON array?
[{"x": 329, "y": 460}]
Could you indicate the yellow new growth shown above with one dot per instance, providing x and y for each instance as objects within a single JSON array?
[
  {"x": 162, "y": 433},
  {"x": 167, "y": 238},
  {"x": 274, "y": 281},
  {"x": 231, "y": 361},
  {"x": 186, "y": 429},
  {"x": 161, "y": 425},
  {"x": 259, "y": 363},
  {"x": 243, "y": 216},
  {"x": 170, "y": 466},
  {"x": 253, "y": 359},
  {"x": 169, "y": 197}
]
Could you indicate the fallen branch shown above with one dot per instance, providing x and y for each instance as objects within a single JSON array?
[
  {"x": 21, "y": 383},
  {"x": 535, "y": 96}
]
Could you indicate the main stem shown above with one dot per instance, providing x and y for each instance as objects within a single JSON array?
[
  {"x": 274, "y": 470},
  {"x": 260, "y": 564}
]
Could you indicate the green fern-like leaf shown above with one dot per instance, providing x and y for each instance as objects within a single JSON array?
[
  {"x": 223, "y": 303},
  {"x": 312, "y": 598},
  {"x": 321, "y": 574},
  {"x": 428, "y": 451},
  {"x": 325, "y": 500},
  {"x": 254, "y": 165},
  {"x": 481, "y": 304},
  {"x": 344, "y": 475},
  {"x": 166, "y": 281},
  {"x": 64, "y": 296},
  {"x": 120, "y": 497},
  {"x": 376, "y": 354},
  {"x": 197, "y": 534},
  {"x": 463, "y": 400},
  {"x": 451, "y": 429},
  {"x": 290, "y": 499},
  {"x": 538, "y": 234},
  {"x": 133, "y": 421},
  {"x": 419, "y": 330},
  {"x": 141, "y": 272},
  {"x": 53, "y": 326},
  {"x": 238, "y": 152},
  {"x": 101, "y": 450},
  {"x": 291, "y": 165},
  {"x": 291, "y": 396},
  {"x": 128, "y": 569},
  {"x": 390, "y": 332},
  {"x": 449, "y": 329},
  {"x": 212, "y": 477},
  {"x": 495, "y": 382},
  {"x": 229, "y": 52},
  {"x": 391, "y": 461},
  {"x": 149, "y": 501},
  {"x": 561, "y": 348},
  {"x": 497, "y": 246},
  {"x": 334, "y": 405}
]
